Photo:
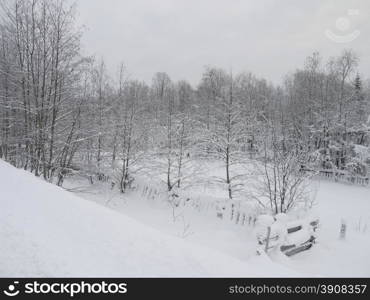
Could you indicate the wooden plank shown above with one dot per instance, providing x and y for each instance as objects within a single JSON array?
[
  {"x": 268, "y": 238},
  {"x": 290, "y": 250},
  {"x": 298, "y": 249},
  {"x": 294, "y": 229}
]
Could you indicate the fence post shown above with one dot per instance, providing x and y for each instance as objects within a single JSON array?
[
  {"x": 268, "y": 238},
  {"x": 232, "y": 211},
  {"x": 237, "y": 217},
  {"x": 343, "y": 229},
  {"x": 243, "y": 220}
]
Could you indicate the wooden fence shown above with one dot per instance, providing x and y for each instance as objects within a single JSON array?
[
  {"x": 341, "y": 176},
  {"x": 226, "y": 210},
  {"x": 235, "y": 212}
]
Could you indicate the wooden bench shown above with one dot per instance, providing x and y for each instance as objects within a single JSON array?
[{"x": 302, "y": 237}]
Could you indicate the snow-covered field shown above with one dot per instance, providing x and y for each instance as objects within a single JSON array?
[
  {"x": 96, "y": 231},
  {"x": 46, "y": 231}
]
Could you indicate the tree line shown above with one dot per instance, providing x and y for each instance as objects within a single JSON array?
[{"x": 63, "y": 113}]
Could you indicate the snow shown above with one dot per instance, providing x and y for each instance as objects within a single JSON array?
[
  {"x": 330, "y": 256},
  {"x": 47, "y": 231},
  {"x": 298, "y": 237},
  {"x": 96, "y": 231}
]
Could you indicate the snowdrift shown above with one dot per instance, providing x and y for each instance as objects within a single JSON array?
[{"x": 47, "y": 231}]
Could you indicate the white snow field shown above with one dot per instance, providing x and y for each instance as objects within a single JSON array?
[
  {"x": 46, "y": 231},
  {"x": 330, "y": 256}
]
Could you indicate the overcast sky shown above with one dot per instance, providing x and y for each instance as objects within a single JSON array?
[{"x": 180, "y": 37}]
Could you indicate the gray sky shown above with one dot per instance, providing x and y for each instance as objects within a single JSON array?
[{"x": 267, "y": 37}]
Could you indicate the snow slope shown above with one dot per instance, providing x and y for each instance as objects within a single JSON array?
[
  {"x": 46, "y": 231},
  {"x": 330, "y": 257}
]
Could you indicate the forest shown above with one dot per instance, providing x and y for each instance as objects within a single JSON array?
[{"x": 63, "y": 113}]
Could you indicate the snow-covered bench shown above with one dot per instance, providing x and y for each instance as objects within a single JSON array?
[{"x": 289, "y": 237}]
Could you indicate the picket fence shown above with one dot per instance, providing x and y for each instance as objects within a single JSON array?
[
  {"x": 234, "y": 213},
  {"x": 343, "y": 177},
  {"x": 227, "y": 210}
]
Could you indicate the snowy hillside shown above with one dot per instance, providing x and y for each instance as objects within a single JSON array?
[
  {"x": 330, "y": 256},
  {"x": 46, "y": 231},
  {"x": 162, "y": 151}
]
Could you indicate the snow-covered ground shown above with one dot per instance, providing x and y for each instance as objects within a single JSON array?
[
  {"x": 331, "y": 256},
  {"x": 47, "y": 231}
]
